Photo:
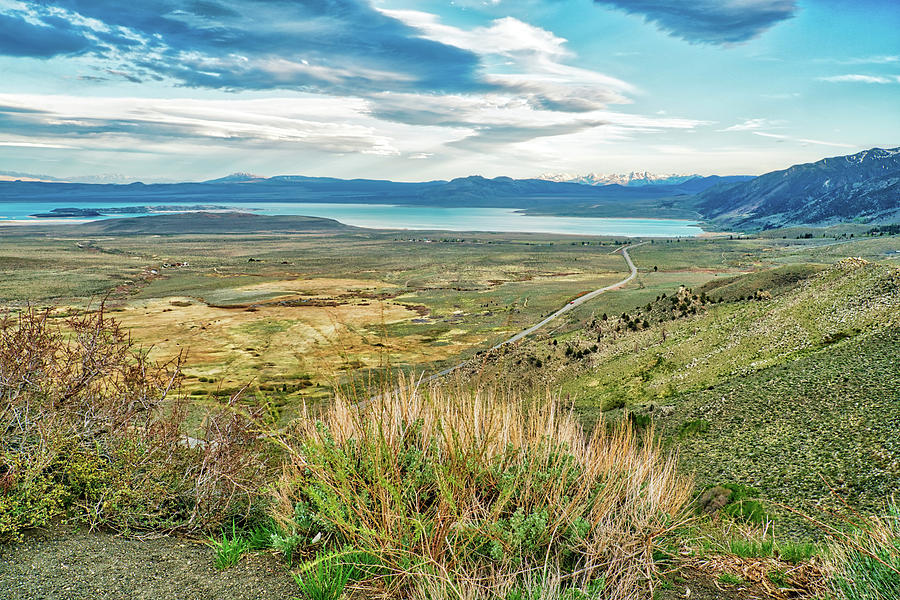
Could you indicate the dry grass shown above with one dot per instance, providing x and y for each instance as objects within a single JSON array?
[{"x": 460, "y": 488}]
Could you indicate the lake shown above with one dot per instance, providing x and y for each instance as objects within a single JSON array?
[{"x": 389, "y": 216}]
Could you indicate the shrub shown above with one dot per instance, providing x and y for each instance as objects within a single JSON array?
[
  {"x": 460, "y": 485},
  {"x": 93, "y": 430}
]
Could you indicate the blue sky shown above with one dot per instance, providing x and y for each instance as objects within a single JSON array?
[{"x": 427, "y": 89}]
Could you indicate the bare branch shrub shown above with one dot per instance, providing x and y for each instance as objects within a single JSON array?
[{"x": 91, "y": 427}]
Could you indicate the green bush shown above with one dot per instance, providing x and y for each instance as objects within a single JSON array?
[
  {"x": 472, "y": 484},
  {"x": 743, "y": 506}
]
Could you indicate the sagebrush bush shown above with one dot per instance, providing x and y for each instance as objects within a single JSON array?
[
  {"x": 92, "y": 429},
  {"x": 455, "y": 484}
]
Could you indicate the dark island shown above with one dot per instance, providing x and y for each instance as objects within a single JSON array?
[{"x": 69, "y": 212}]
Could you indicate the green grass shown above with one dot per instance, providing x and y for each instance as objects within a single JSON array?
[
  {"x": 778, "y": 577},
  {"x": 229, "y": 548},
  {"x": 864, "y": 558},
  {"x": 325, "y": 578},
  {"x": 751, "y": 548},
  {"x": 797, "y": 552},
  {"x": 743, "y": 338},
  {"x": 729, "y": 579},
  {"x": 774, "y": 281}
]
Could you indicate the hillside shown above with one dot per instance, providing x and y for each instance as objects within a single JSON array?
[
  {"x": 863, "y": 186},
  {"x": 213, "y": 223},
  {"x": 771, "y": 380}
]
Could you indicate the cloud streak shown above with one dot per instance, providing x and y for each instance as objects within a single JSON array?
[
  {"x": 787, "y": 138},
  {"x": 857, "y": 78},
  {"x": 325, "y": 124},
  {"x": 750, "y": 125}
]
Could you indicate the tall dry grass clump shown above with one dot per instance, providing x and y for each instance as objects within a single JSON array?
[
  {"x": 91, "y": 428},
  {"x": 461, "y": 492}
]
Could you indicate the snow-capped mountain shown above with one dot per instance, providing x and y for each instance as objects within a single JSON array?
[
  {"x": 635, "y": 178},
  {"x": 116, "y": 178},
  {"x": 238, "y": 178}
]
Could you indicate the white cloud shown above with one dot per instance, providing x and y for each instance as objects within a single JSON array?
[
  {"x": 872, "y": 60},
  {"x": 857, "y": 78},
  {"x": 507, "y": 36},
  {"x": 525, "y": 59},
  {"x": 750, "y": 125},
  {"x": 27, "y": 144},
  {"x": 788, "y": 138}
]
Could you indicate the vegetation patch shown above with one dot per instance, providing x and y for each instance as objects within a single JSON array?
[
  {"x": 469, "y": 488},
  {"x": 92, "y": 431}
]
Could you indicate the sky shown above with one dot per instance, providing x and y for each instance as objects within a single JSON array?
[{"x": 413, "y": 90}]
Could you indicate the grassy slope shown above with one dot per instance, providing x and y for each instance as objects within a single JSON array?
[
  {"x": 738, "y": 339},
  {"x": 833, "y": 412},
  {"x": 789, "y": 388}
]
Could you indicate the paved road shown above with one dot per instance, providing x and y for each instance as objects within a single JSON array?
[{"x": 571, "y": 305}]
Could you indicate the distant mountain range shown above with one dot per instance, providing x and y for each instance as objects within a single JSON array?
[
  {"x": 861, "y": 187},
  {"x": 864, "y": 186},
  {"x": 104, "y": 178},
  {"x": 634, "y": 178}
]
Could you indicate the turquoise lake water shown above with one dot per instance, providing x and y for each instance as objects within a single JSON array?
[{"x": 387, "y": 216}]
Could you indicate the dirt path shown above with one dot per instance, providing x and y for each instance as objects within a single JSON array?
[
  {"x": 578, "y": 301},
  {"x": 63, "y": 565},
  {"x": 573, "y": 304}
]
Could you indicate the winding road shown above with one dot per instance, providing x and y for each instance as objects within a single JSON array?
[{"x": 569, "y": 306}]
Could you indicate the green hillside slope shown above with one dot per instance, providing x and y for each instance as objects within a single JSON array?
[{"x": 798, "y": 383}]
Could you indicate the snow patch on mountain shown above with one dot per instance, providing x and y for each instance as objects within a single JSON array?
[{"x": 635, "y": 178}]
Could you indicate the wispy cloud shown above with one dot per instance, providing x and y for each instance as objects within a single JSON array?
[
  {"x": 787, "y": 138},
  {"x": 751, "y": 125},
  {"x": 326, "y": 124},
  {"x": 858, "y": 78},
  {"x": 531, "y": 91},
  {"x": 710, "y": 21},
  {"x": 525, "y": 60},
  {"x": 27, "y": 144},
  {"x": 884, "y": 59}
]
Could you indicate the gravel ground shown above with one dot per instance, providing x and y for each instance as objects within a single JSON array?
[{"x": 68, "y": 565}]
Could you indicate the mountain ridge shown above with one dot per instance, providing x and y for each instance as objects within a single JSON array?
[{"x": 861, "y": 186}]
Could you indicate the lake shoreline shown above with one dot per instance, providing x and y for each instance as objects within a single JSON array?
[{"x": 394, "y": 217}]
